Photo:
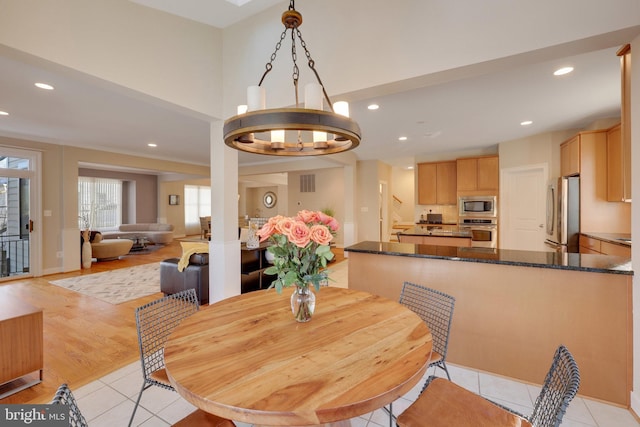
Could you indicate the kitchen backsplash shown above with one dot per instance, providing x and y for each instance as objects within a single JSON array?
[{"x": 449, "y": 212}]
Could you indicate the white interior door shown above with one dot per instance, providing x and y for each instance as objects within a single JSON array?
[{"x": 523, "y": 208}]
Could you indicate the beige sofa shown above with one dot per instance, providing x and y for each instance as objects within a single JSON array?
[
  {"x": 154, "y": 232},
  {"x": 105, "y": 250}
]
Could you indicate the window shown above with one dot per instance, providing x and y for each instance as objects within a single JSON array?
[
  {"x": 99, "y": 203},
  {"x": 197, "y": 203}
]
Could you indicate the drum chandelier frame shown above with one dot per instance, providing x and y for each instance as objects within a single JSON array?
[{"x": 299, "y": 131}]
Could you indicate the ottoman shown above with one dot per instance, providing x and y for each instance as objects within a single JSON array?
[
  {"x": 110, "y": 249},
  {"x": 194, "y": 276}
]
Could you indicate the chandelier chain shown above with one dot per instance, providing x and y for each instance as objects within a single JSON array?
[
  {"x": 312, "y": 64},
  {"x": 296, "y": 70},
  {"x": 269, "y": 65}
]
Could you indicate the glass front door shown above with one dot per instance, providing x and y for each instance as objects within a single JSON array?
[{"x": 15, "y": 221}]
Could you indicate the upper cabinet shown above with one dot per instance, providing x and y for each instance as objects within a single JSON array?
[
  {"x": 570, "y": 157},
  {"x": 478, "y": 174},
  {"x": 596, "y": 213},
  {"x": 619, "y": 139},
  {"x": 615, "y": 165},
  {"x": 437, "y": 183}
]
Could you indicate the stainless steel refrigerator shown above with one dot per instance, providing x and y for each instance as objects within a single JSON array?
[{"x": 563, "y": 214}]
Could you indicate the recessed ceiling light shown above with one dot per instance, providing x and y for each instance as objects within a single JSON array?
[
  {"x": 239, "y": 2},
  {"x": 402, "y": 138},
  {"x": 3, "y": 113},
  {"x": 44, "y": 86},
  {"x": 409, "y": 167},
  {"x": 151, "y": 144},
  {"x": 526, "y": 123},
  {"x": 373, "y": 107},
  {"x": 562, "y": 71}
]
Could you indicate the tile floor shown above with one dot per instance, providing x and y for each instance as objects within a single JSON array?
[{"x": 109, "y": 402}]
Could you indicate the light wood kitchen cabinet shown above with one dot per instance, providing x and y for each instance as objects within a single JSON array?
[
  {"x": 437, "y": 183},
  {"x": 591, "y": 245},
  {"x": 21, "y": 352},
  {"x": 613, "y": 249},
  {"x": 478, "y": 174},
  {"x": 597, "y": 214},
  {"x": 625, "y": 125},
  {"x": 615, "y": 165},
  {"x": 570, "y": 157}
]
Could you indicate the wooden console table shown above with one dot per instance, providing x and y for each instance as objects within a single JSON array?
[
  {"x": 21, "y": 352},
  {"x": 253, "y": 264}
]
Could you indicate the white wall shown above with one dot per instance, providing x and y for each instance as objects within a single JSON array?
[
  {"x": 420, "y": 39},
  {"x": 537, "y": 149},
  {"x": 142, "y": 49},
  {"x": 402, "y": 187},
  {"x": 329, "y": 193}
]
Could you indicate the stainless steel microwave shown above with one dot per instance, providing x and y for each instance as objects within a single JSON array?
[{"x": 477, "y": 206}]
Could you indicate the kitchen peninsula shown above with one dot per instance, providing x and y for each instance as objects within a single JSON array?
[{"x": 513, "y": 308}]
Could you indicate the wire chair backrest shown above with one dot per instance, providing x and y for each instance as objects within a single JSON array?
[
  {"x": 64, "y": 397},
  {"x": 435, "y": 308},
  {"x": 156, "y": 320},
  {"x": 559, "y": 388}
]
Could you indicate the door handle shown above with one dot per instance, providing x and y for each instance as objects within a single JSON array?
[{"x": 541, "y": 226}]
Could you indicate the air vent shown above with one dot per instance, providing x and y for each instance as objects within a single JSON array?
[{"x": 307, "y": 183}]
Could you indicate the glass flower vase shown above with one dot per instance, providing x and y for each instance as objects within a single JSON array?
[{"x": 303, "y": 303}]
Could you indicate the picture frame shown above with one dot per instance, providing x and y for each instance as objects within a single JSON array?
[{"x": 174, "y": 199}]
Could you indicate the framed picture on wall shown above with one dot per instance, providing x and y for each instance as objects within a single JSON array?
[{"x": 174, "y": 199}]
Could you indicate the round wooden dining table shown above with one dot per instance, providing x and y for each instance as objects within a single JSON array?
[{"x": 246, "y": 358}]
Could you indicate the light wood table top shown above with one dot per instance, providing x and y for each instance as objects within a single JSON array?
[{"x": 247, "y": 359}]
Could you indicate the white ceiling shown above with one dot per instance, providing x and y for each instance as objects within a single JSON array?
[
  {"x": 461, "y": 114},
  {"x": 218, "y": 13}
]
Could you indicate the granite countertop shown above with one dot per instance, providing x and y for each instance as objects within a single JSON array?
[
  {"x": 562, "y": 261},
  {"x": 623, "y": 239},
  {"x": 436, "y": 232}
]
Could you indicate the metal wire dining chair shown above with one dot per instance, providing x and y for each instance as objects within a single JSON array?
[
  {"x": 64, "y": 396},
  {"x": 155, "y": 321},
  {"x": 436, "y": 309},
  {"x": 443, "y": 403}
]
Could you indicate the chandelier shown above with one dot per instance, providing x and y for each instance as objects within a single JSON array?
[{"x": 307, "y": 130}]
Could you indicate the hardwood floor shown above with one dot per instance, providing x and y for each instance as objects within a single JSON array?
[{"x": 85, "y": 338}]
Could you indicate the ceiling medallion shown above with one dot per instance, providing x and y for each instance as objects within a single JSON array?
[{"x": 298, "y": 131}]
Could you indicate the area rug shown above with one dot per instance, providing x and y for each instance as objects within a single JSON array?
[{"x": 116, "y": 286}]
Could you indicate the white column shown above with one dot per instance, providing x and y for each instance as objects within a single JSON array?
[
  {"x": 224, "y": 247},
  {"x": 349, "y": 229}
]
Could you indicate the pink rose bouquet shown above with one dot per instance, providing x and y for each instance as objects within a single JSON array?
[{"x": 300, "y": 248}]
